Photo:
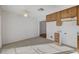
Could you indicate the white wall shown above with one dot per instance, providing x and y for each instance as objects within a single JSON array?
[
  {"x": 51, "y": 29},
  {"x": 16, "y": 27},
  {"x": 67, "y": 27}
]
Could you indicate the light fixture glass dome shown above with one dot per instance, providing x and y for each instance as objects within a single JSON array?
[{"x": 25, "y": 15}]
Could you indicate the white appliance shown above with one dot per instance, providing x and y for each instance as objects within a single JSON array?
[{"x": 69, "y": 32}]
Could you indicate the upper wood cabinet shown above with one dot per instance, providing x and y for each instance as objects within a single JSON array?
[
  {"x": 70, "y": 12},
  {"x": 48, "y": 18},
  {"x": 58, "y": 20},
  {"x": 55, "y": 17},
  {"x": 66, "y": 13},
  {"x": 51, "y": 17}
]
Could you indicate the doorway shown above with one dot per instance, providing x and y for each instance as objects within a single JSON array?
[{"x": 43, "y": 29}]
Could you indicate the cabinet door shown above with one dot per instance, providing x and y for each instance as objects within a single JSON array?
[
  {"x": 56, "y": 35},
  {"x": 77, "y": 15},
  {"x": 68, "y": 13},
  {"x": 78, "y": 42},
  {"x": 48, "y": 18},
  {"x": 51, "y": 17},
  {"x": 57, "y": 38},
  {"x": 58, "y": 20},
  {"x": 64, "y": 14},
  {"x": 72, "y": 12}
]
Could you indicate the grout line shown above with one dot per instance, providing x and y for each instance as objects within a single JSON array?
[
  {"x": 54, "y": 48},
  {"x": 35, "y": 50},
  {"x": 62, "y": 51},
  {"x": 41, "y": 51},
  {"x": 15, "y": 51}
]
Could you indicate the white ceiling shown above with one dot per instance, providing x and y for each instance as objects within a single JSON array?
[{"x": 33, "y": 9}]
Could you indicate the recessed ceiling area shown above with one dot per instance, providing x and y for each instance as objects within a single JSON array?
[{"x": 33, "y": 9}]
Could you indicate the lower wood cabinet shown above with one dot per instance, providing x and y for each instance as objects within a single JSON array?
[
  {"x": 57, "y": 38},
  {"x": 78, "y": 43}
]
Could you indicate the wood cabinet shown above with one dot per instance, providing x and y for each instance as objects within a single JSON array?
[
  {"x": 64, "y": 14},
  {"x": 58, "y": 20},
  {"x": 78, "y": 43},
  {"x": 51, "y": 17},
  {"x": 77, "y": 15},
  {"x": 57, "y": 38},
  {"x": 48, "y": 18},
  {"x": 68, "y": 13},
  {"x": 72, "y": 12},
  {"x": 55, "y": 17}
]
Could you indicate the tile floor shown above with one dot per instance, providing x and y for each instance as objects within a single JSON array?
[{"x": 46, "y": 48}]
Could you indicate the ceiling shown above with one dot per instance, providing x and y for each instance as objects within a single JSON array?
[{"x": 33, "y": 9}]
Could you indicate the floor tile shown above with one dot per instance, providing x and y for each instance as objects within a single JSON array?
[
  {"x": 45, "y": 48},
  {"x": 8, "y": 51},
  {"x": 61, "y": 48},
  {"x": 25, "y": 50}
]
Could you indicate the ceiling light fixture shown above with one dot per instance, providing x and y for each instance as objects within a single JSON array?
[{"x": 25, "y": 15}]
